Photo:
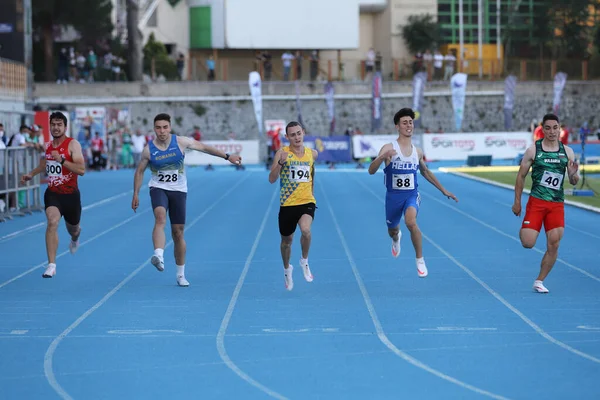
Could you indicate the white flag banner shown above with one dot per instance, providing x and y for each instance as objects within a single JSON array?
[
  {"x": 256, "y": 93},
  {"x": 560, "y": 79},
  {"x": 458, "y": 86}
]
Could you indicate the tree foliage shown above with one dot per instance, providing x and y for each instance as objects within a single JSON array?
[
  {"x": 163, "y": 63},
  {"x": 91, "y": 18},
  {"x": 421, "y": 33}
]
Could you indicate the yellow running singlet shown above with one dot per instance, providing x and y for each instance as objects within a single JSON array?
[{"x": 296, "y": 178}]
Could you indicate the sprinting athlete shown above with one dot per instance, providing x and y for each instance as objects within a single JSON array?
[
  {"x": 294, "y": 166},
  {"x": 549, "y": 159},
  {"x": 63, "y": 163},
  {"x": 402, "y": 161},
  {"x": 168, "y": 188}
]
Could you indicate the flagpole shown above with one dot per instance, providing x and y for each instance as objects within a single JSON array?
[
  {"x": 480, "y": 36},
  {"x": 461, "y": 35}
]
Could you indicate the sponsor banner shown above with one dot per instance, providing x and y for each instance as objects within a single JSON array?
[
  {"x": 458, "y": 146},
  {"x": 256, "y": 92},
  {"x": 329, "y": 93},
  {"x": 419, "y": 82},
  {"x": 376, "y": 107},
  {"x": 330, "y": 148},
  {"x": 369, "y": 145},
  {"x": 458, "y": 87},
  {"x": 560, "y": 79},
  {"x": 509, "y": 100},
  {"x": 248, "y": 149}
]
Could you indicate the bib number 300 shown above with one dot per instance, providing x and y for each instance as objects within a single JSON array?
[
  {"x": 403, "y": 181},
  {"x": 551, "y": 180},
  {"x": 53, "y": 168},
  {"x": 168, "y": 176},
  {"x": 300, "y": 173}
]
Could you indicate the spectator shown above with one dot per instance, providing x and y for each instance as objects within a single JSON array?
[
  {"x": 438, "y": 63},
  {"x": 180, "y": 65},
  {"x": 299, "y": 59},
  {"x": 450, "y": 60},
  {"x": 97, "y": 150},
  {"x": 138, "y": 143},
  {"x": 210, "y": 66},
  {"x": 3, "y": 138},
  {"x": 287, "y": 58},
  {"x": 314, "y": 65}
]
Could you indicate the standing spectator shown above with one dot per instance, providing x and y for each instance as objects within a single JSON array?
[
  {"x": 63, "y": 66},
  {"x": 3, "y": 138},
  {"x": 370, "y": 62},
  {"x": 299, "y": 60},
  {"x": 450, "y": 60},
  {"x": 126, "y": 152},
  {"x": 267, "y": 65},
  {"x": 287, "y": 58},
  {"x": 210, "y": 66},
  {"x": 92, "y": 65},
  {"x": 180, "y": 65},
  {"x": 97, "y": 150},
  {"x": 438, "y": 63},
  {"x": 138, "y": 142},
  {"x": 113, "y": 149},
  {"x": 314, "y": 65}
]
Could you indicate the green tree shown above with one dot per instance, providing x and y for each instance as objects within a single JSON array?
[
  {"x": 163, "y": 63},
  {"x": 91, "y": 18},
  {"x": 421, "y": 33}
]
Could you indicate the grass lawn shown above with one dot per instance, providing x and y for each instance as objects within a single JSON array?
[{"x": 509, "y": 179}]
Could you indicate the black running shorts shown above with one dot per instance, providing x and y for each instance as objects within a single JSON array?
[
  {"x": 290, "y": 215},
  {"x": 68, "y": 204},
  {"x": 172, "y": 201}
]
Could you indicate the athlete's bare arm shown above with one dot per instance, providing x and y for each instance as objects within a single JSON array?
[
  {"x": 520, "y": 183},
  {"x": 76, "y": 166},
  {"x": 189, "y": 143},
  {"x": 385, "y": 155},
  {"x": 278, "y": 162},
  {"x": 572, "y": 167},
  {"x": 431, "y": 178},
  {"x": 139, "y": 177},
  {"x": 37, "y": 170}
]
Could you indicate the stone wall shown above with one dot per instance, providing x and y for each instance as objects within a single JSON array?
[{"x": 217, "y": 116}]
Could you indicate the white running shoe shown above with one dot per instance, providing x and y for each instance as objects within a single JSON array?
[
  {"x": 181, "y": 281},
  {"x": 538, "y": 287},
  {"x": 50, "y": 271},
  {"x": 306, "y": 270},
  {"x": 287, "y": 276},
  {"x": 396, "y": 245},
  {"x": 421, "y": 268},
  {"x": 73, "y": 246},
  {"x": 158, "y": 262}
]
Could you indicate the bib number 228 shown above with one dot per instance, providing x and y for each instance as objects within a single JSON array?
[{"x": 167, "y": 177}]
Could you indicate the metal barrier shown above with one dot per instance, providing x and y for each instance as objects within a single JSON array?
[{"x": 17, "y": 199}]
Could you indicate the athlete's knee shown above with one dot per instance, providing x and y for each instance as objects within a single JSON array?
[
  {"x": 527, "y": 241},
  {"x": 411, "y": 224},
  {"x": 305, "y": 230},
  {"x": 177, "y": 232},
  {"x": 286, "y": 241},
  {"x": 160, "y": 219},
  {"x": 53, "y": 221}
]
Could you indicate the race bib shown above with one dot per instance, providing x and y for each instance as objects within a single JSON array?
[
  {"x": 300, "y": 173},
  {"x": 552, "y": 180},
  {"x": 403, "y": 181},
  {"x": 53, "y": 168},
  {"x": 168, "y": 176}
]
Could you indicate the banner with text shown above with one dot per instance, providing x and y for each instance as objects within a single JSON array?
[
  {"x": 248, "y": 149},
  {"x": 369, "y": 145},
  {"x": 458, "y": 146},
  {"x": 330, "y": 148}
]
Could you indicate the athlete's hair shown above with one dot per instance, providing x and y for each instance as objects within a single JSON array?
[
  {"x": 550, "y": 117},
  {"x": 58, "y": 115},
  {"x": 292, "y": 124},
  {"x": 404, "y": 112},
  {"x": 163, "y": 117}
]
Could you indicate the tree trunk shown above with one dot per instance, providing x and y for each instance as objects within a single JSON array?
[
  {"x": 134, "y": 37},
  {"x": 48, "y": 40}
]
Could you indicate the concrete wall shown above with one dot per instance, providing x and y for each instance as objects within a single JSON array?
[{"x": 218, "y": 115}]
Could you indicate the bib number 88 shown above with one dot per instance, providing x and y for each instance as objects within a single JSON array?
[{"x": 403, "y": 182}]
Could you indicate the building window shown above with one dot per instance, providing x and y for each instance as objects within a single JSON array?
[{"x": 200, "y": 28}]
